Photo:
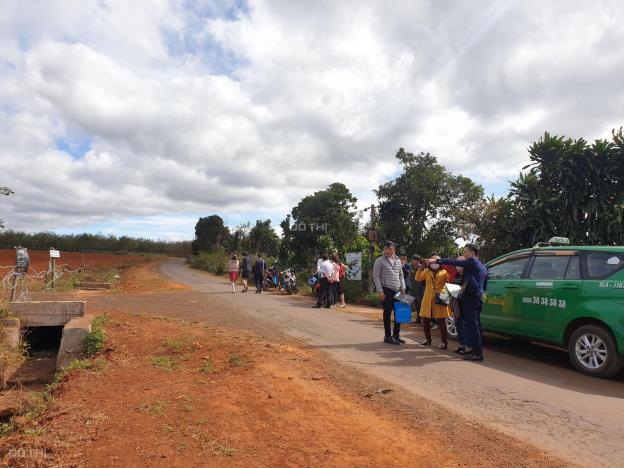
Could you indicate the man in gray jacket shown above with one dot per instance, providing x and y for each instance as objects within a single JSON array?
[{"x": 388, "y": 279}]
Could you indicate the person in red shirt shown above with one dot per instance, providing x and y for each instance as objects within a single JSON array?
[{"x": 342, "y": 272}]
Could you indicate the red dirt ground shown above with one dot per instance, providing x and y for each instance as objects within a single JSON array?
[
  {"x": 39, "y": 259},
  {"x": 171, "y": 392}
]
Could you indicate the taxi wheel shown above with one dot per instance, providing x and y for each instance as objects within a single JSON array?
[
  {"x": 451, "y": 328},
  {"x": 593, "y": 351}
]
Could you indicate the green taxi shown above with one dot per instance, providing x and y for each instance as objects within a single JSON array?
[{"x": 565, "y": 295}]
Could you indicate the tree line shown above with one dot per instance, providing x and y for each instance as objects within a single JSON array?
[
  {"x": 571, "y": 188},
  {"x": 92, "y": 243}
]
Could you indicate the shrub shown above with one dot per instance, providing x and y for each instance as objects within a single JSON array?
[
  {"x": 371, "y": 299},
  {"x": 96, "y": 337}
]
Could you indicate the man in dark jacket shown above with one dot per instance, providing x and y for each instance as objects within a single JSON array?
[
  {"x": 474, "y": 286},
  {"x": 258, "y": 271}
]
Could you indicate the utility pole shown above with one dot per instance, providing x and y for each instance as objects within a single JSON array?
[{"x": 372, "y": 239}]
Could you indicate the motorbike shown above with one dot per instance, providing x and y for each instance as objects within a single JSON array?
[
  {"x": 289, "y": 281},
  {"x": 271, "y": 278}
]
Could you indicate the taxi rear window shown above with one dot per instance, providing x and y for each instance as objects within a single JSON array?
[{"x": 599, "y": 265}]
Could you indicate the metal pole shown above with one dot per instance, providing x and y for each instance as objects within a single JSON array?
[
  {"x": 371, "y": 251},
  {"x": 53, "y": 273},
  {"x": 13, "y": 283}
]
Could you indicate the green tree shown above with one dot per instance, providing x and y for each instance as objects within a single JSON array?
[
  {"x": 4, "y": 191},
  {"x": 330, "y": 213},
  {"x": 210, "y": 233},
  {"x": 426, "y": 207},
  {"x": 239, "y": 240},
  {"x": 497, "y": 227},
  {"x": 263, "y": 238},
  {"x": 573, "y": 189}
]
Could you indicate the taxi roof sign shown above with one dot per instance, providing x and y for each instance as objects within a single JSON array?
[
  {"x": 559, "y": 241},
  {"x": 553, "y": 241}
]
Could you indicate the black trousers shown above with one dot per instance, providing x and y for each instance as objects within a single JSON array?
[
  {"x": 388, "y": 310},
  {"x": 259, "y": 280},
  {"x": 471, "y": 314},
  {"x": 325, "y": 293}
]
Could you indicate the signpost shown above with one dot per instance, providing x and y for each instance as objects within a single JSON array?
[
  {"x": 354, "y": 265},
  {"x": 54, "y": 254}
]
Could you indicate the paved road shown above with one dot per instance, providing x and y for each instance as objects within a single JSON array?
[{"x": 528, "y": 391}]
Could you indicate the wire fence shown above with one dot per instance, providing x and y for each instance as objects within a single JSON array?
[{"x": 17, "y": 286}]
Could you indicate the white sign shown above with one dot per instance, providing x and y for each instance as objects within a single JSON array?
[
  {"x": 354, "y": 265},
  {"x": 55, "y": 254}
]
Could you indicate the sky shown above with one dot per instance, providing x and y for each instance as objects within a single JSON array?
[{"x": 138, "y": 117}]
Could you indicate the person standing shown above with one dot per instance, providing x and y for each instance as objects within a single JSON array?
[
  {"x": 327, "y": 276},
  {"x": 326, "y": 272},
  {"x": 408, "y": 272},
  {"x": 342, "y": 272},
  {"x": 475, "y": 284},
  {"x": 417, "y": 287},
  {"x": 258, "y": 271},
  {"x": 459, "y": 321},
  {"x": 432, "y": 308},
  {"x": 334, "y": 280},
  {"x": 388, "y": 279},
  {"x": 233, "y": 266},
  {"x": 319, "y": 275},
  {"x": 245, "y": 270}
]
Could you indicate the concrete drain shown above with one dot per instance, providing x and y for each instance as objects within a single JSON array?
[{"x": 57, "y": 324}]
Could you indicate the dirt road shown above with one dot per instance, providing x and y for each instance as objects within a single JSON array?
[{"x": 529, "y": 392}]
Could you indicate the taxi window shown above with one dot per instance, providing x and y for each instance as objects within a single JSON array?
[
  {"x": 549, "y": 267},
  {"x": 508, "y": 269},
  {"x": 600, "y": 265},
  {"x": 574, "y": 268}
]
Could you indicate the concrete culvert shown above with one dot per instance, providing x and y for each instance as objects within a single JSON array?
[{"x": 43, "y": 339}]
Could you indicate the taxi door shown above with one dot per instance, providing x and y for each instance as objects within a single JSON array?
[
  {"x": 551, "y": 290},
  {"x": 502, "y": 299}
]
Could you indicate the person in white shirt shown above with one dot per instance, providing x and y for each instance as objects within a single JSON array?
[
  {"x": 233, "y": 267},
  {"x": 327, "y": 272}
]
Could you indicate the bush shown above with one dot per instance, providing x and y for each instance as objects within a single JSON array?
[
  {"x": 96, "y": 337},
  {"x": 354, "y": 290},
  {"x": 371, "y": 299},
  {"x": 212, "y": 262}
]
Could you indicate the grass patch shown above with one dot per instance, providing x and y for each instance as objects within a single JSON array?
[
  {"x": 212, "y": 445},
  {"x": 97, "y": 336},
  {"x": 95, "y": 365},
  {"x": 187, "y": 404},
  {"x": 153, "y": 409},
  {"x": 235, "y": 360},
  {"x": 207, "y": 367},
  {"x": 163, "y": 362},
  {"x": 183, "y": 344}
]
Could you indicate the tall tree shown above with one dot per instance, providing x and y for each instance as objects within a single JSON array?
[
  {"x": 327, "y": 215},
  {"x": 426, "y": 207},
  {"x": 573, "y": 189},
  {"x": 4, "y": 191},
  {"x": 263, "y": 238},
  {"x": 498, "y": 227},
  {"x": 210, "y": 233},
  {"x": 239, "y": 240}
]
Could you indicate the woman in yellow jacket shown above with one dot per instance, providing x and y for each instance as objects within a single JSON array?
[{"x": 435, "y": 279}]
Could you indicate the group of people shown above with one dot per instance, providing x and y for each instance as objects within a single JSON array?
[
  {"x": 245, "y": 270},
  {"x": 426, "y": 280},
  {"x": 330, "y": 272}
]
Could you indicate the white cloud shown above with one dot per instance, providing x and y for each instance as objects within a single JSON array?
[{"x": 216, "y": 107}]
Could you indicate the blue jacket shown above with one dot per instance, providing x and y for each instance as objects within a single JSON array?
[{"x": 475, "y": 275}]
